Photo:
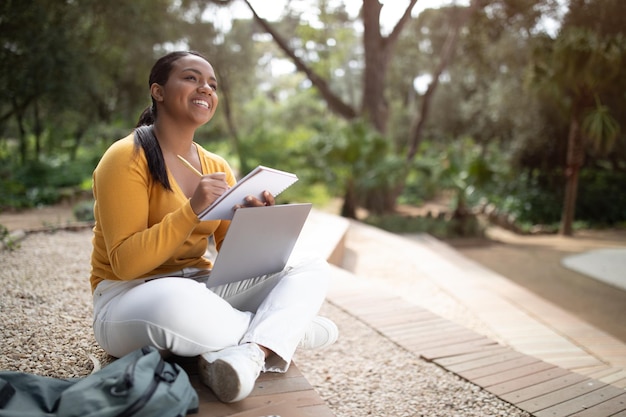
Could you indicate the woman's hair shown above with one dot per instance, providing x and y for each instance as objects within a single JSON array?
[{"x": 144, "y": 133}]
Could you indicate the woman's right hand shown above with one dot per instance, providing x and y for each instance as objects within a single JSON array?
[{"x": 211, "y": 186}]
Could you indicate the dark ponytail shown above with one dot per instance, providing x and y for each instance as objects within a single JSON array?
[
  {"x": 147, "y": 117},
  {"x": 145, "y": 138}
]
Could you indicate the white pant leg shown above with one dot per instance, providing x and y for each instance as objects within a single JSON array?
[
  {"x": 186, "y": 318},
  {"x": 284, "y": 305},
  {"x": 177, "y": 315}
]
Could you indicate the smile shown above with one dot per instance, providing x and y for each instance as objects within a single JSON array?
[{"x": 202, "y": 103}]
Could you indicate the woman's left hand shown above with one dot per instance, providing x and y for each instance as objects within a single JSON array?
[{"x": 251, "y": 201}]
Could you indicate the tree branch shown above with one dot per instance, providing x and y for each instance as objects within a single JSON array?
[
  {"x": 444, "y": 59},
  {"x": 395, "y": 33},
  {"x": 335, "y": 103}
]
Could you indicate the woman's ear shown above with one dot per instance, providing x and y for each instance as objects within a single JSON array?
[{"x": 156, "y": 91}]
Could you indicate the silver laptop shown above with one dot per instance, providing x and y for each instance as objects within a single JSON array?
[{"x": 259, "y": 241}]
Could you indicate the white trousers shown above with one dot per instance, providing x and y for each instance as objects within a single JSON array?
[{"x": 185, "y": 317}]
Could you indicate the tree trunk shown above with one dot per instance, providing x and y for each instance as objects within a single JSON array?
[
  {"x": 230, "y": 122},
  {"x": 575, "y": 157},
  {"x": 38, "y": 130},
  {"x": 348, "y": 209},
  {"x": 19, "y": 117},
  {"x": 374, "y": 106}
]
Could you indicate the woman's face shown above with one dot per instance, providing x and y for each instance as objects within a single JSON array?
[{"x": 190, "y": 92}]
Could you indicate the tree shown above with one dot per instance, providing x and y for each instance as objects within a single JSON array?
[
  {"x": 580, "y": 67},
  {"x": 378, "y": 52},
  {"x": 34, "y": 60},
  {"x": 65, "y": 66}
]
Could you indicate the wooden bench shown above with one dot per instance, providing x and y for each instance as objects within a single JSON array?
[{"x": 288, "y": 394}]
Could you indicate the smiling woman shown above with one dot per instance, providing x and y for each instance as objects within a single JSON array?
[{"x": 150, "y": 276}]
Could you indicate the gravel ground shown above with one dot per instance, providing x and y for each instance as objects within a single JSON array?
[{"x": 45, "y": 328}]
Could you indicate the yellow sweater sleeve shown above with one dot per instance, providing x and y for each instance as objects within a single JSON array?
[{"x": 141, "y": 228}]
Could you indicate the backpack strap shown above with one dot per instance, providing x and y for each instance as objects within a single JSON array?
[{"x": 6, "y": 392}]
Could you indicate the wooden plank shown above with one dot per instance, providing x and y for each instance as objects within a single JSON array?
[
  {"x": 616, "y": 376},
  {"x": 607, "y": 408},
  {"x": 366, "y": 304},
  {"x": 620, "y": 383},
  {"x": 273, "y": 394},
  {"x": 410, "y": 331},
  {"x": 468, "y": 357},
  {"x": 529, "y": 380},
  {"x": 484, "y": 361},
  {"x": 422, "y": 327},
  {"x": 516, "y": 397},
  {"x": 263, "y": 386},
  {"x": 289, "y": 403},
  {"x": 457, "y": 349},
  {"x": 379, "y": 312},
  {"x": 498, "y": 368},
  {"x": 581, "y": 403},
  {"x": 398, "y": 313},
  {"x": 559, "y": 396},
  {"x": 512, "y": 374},
  {"x": 418, "y": 342},
  {"x": 593, "y": 371}
]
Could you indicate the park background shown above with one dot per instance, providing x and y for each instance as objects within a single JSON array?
[
  {"x": 455, "y": 116},
  {"x": 512, "y": 110}
]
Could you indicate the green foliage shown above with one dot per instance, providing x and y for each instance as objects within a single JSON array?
[
  {"x": 536, "y": 200},
  {"x": 528, "y": 200},
  {"x": 601, "y": 197},
  {"x": 352, "y": 153},
  {"x": 73, "y": 76},
  {"x": 439, "y": 227},
  {"x": 6, "y": 241},
  {"x": 42, "y": 182},
  {"x": 463, "y": 167},
  {"x": 478, "y": 176},
  {"x": 83, "y": 211},
  {"x": 601, "y": 128}
]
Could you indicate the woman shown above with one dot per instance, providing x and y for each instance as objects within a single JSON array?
[{"x": 149, "y": 268}]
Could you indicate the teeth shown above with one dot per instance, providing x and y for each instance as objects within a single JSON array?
[{"x": 201, "y": 103}]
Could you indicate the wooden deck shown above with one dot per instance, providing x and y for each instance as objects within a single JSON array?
[{"x": 541, "y": 388}]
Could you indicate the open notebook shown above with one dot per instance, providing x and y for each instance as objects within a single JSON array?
[
  {"x": 258, "y": 180},
  {"x": 259, "y": 241}
]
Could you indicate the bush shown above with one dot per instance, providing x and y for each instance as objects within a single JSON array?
[
  {"x": 440, "y": 227},
  {"x": 41, "y": 183},
  {"x": 83, "y": 211},
  {"x": 601, "y": 197}
]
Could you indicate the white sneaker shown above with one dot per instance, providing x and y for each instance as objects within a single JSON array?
[
  {"x": 321, "y": 333},
  {"x": 232, "y": 372}
]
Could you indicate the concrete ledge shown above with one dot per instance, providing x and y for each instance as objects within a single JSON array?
[{"x": 324, "y": 235}]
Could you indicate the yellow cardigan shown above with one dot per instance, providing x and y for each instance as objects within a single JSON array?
[{"x": 142, "y": 229}]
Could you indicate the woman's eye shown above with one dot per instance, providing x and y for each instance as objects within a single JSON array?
[
  {"x": 191, "y": 77},
  {"x": 214, "y": 87}
]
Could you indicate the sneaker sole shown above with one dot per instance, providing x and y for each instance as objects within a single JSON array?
[{"x": 222, "y": 379}]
